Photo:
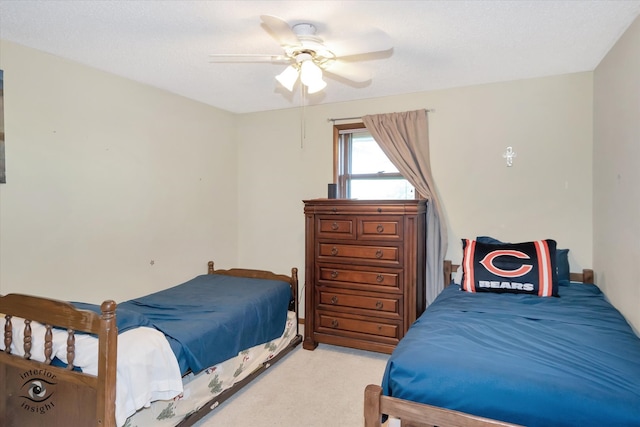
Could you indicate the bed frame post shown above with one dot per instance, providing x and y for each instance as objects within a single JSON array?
[
  {"x": 294, "y": 293},
  {"x": 447, "y": 268},
  {"x": 372, "y": 411},
  {"x": 3, "y": 401},
  {"x": 107, "y": 367}
]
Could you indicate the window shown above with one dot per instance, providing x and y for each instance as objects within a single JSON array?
[{"x": 362, "y": 170}]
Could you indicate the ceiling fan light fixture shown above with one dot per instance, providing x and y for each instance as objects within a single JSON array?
[
  {"x": 316, "y": 86},
  {"x": 288, "y": 77},
  {"x": 310, "y": 73},
  {"x": 311, "y": 76}
]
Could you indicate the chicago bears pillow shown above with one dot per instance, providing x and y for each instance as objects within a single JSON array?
[
  {"x": 562, "y": 258},
  {"x": 526, "y": 268}
]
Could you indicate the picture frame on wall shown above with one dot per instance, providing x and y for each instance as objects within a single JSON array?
[{"x": 3, "y": 173}]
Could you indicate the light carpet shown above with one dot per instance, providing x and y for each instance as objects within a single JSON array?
[{"x": 319, "y": 388}]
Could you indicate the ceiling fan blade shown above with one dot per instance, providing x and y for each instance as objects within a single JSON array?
[
  {"x": 374, "y": 41},
  {"x": 280, "y": 30},
  {"x": 349, "y": 71},
  {"x": 247, "y": 57}
]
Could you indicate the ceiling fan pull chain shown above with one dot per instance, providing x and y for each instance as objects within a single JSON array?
[{"x": 303, "y": 121}]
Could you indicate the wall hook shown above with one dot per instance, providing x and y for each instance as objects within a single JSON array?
[{"x": 509, "y": 155}]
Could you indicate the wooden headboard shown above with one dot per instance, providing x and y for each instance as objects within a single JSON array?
[{"x": 587, "y": 275}]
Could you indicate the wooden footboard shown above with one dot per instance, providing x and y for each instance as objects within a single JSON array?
[
  {"x": 412, "y": 414},
  {"x": 34, "y": 393}
]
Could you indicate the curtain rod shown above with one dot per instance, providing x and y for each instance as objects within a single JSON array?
[{"x": 360, "y": 118}]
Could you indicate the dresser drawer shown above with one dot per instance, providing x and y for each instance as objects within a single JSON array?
[
  {"x": 380, "y": 228},
  {"x": 365, "y": 278},
  {"x": 358, "y": 302},
  {"x": 335, "y": 227},
  {"x": 384, "y": 255},
  {"x": 335, "y": 323}
]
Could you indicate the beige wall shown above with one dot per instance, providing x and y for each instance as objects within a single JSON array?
[
  {"x": 616, "y": 231},
  {"x": 105, "y": 175},
  {"x": 546, "y": 194}
]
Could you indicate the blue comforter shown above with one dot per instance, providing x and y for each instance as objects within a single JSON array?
[
  {"x": 213, "y": 317},
  {"x": 566, "y": 361}
]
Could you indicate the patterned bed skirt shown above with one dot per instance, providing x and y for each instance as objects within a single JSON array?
[{"x": 202, "y": 388}]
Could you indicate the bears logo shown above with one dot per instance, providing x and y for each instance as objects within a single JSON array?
[{"x": 527, "y": 267}]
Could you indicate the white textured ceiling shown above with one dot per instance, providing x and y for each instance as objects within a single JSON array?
[{"x": 437, "y": 44}]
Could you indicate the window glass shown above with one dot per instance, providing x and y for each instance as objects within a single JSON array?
[
  {"x": 368, "y": 189},
  {"x": 362, "y": 170},
  {"x": 367, "y": 156}
]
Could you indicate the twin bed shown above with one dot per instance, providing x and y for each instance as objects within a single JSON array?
[
  {"x": 493, "y": 356},
  {"x": 168, "y": 358}
]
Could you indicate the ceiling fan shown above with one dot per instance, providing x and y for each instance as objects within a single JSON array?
[{"x": 309, "y": 56}]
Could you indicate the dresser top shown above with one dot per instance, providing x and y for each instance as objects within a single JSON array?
[{"x": 355, "y": 206}]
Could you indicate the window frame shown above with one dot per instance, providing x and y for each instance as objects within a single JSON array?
[{"x": 342, "y": 154}]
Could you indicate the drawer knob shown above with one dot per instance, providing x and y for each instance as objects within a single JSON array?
[
  {"x": 334, "y": 226},
  {"x": 379, "y": 253},
  {"x": 379, "y": 305},
  {"x": 334, "y": 251},
  {"x": 334, "y": 274},
  {"x": 334, "y": 323},
  {"x": 379, "y": 278},
  {"x": 334, "y": 300},
  {"x": 380, "y": 228}
]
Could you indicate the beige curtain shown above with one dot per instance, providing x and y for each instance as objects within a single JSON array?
[{"x": 404, "y": 138}]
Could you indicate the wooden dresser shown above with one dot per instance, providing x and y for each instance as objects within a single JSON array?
[{"x": 364, "y": 271}]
